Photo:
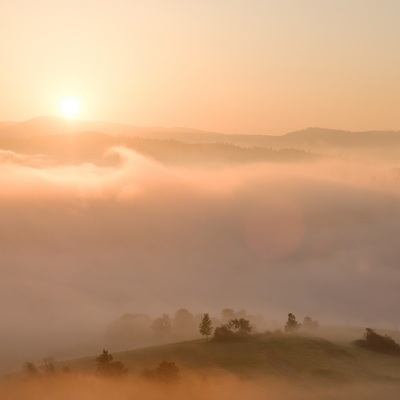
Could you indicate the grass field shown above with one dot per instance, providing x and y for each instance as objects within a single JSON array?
[
  {"x": 283, "y": 356},
  {"x": 270, "y": 366}
]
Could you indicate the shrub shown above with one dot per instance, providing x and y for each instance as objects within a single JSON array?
[
  {"x": 107, "y": 367},
  {"x": 223, "y": 334},
  {"x": 379, "y": 343},
  {"x": 49, "y": 365},
  {"x": 167, "y": 371},
  {"x": 30, "y": 369},
  {"x": 291, "y": 325},
  {"x": 238, "y": 328}
]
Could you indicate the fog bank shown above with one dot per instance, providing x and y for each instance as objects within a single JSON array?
[{"x": 82, "y": 244}]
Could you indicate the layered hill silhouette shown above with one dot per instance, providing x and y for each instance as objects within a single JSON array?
[
  {"x": 77, "y": 141},
  {"x": 84, "y": 141},
  {"x": 310, "y": 137},
  {"x": 51, "y": 125}
]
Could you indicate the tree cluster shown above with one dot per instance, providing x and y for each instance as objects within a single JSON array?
[
  {"x": 107, "y": 367},
  {"x": 379, "y": 343},
  {"x": 167, "y": 371},
  {"x": 234, "y": 329},
  {"x": 133, "y": 330},
  {"x": 48, "y": 367}
]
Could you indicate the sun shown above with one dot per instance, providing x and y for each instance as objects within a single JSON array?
[{"x": 70, "y": 107}]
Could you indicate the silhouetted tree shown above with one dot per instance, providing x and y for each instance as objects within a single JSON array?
[
  {"x": 48, "y": 365},
  {"x": 30, "y": 368},
  {"x": 205, "y": 327},
  {"x": 165, "y": 372},
  {"x": 107, "y": 367},
  {"x": 380, "y": 343},
  {"x": 223, "y": 334},
  {"x": 238, "y": 328},
  {"x": 291, "y": 325}
]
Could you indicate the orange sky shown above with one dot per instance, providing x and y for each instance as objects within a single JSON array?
[{"x": 249, "y": 66}]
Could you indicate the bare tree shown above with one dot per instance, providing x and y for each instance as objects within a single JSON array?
[
  {"x": 49, "y": 365},
  {"x": 30, "y": 368}
]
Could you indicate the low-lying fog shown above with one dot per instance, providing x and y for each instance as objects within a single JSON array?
[
  {"x": 81, "y": 245},
  {"x": 219, "y": 387}
]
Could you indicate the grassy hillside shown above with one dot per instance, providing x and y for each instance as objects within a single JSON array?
[
  {"x": 282, "y": 356},
  {"x": 280, "y": 367}
]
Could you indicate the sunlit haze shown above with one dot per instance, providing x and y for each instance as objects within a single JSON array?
[
  {"x": 259, "y": 66},
  {"x": 199, "y": 199},
  {"x": 70, "y": 107}
]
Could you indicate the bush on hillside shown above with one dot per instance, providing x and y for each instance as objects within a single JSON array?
[
  {"x": 291, "y": 324},
  {"x": 30, "y": 369},
  {"x": 379, "y": 343},
  {"x": 235, "y": 329},
  {"x": 167, "y": 371},
  {"x": 107, "y": 367}
]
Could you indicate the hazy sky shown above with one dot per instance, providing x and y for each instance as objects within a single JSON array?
[{"x": 256, "y": 66}]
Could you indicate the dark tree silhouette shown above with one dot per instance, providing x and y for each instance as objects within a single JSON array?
[
  {"x": 48, "y": 365},
  {"x": 291, "y": 324},
  {"x": 240, "y": 326},
  {"x": 167, "y": 371},
  {"x": 107, "y": 367},
  {"x": 380, "y": 343},
  {"x": 223, "y": 334},
  {"x": 30, "y": 368},
  {"x": 235, "y": 329},
  {"x": 205, "y": 327}
]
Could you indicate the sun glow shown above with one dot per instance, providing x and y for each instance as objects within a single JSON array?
[{"x": 70, "y": 107}]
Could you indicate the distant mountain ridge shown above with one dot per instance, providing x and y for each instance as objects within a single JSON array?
[
  {"x": 72, "y": 141},
  {"x": 51, "y": 125},
  {"x": 92, "y": 146},
  {"x": 307, "y": 138}
]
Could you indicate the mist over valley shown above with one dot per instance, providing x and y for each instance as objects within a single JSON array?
[{"x": 103, "y": 227}]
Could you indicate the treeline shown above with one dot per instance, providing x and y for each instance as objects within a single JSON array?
[
  {"x": 241, "y": 328},
  {"x": 231, "y": 326},
  {"x": 91, "y": 147},
  {"x": 105, "y": 367},
  {"x": 133, "y": 330},
  {"x": 175, "y": 152}
]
